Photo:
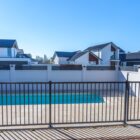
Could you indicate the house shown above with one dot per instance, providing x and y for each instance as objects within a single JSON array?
[
  {"x": 11, "y": 54},
  {"x": 130, "y": 59},
  {"x": 108, "y": 53},
  {"x": 8, "y": 48},
  {"x": 85, "y": 58},
  {"x": 78, "y": 57},
  {"x": 62, "y": 57},
  {"x": 104, "y": 54}
]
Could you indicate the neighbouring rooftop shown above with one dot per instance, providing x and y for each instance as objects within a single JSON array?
[
  {"x": 101, "y": 46},
  {"x": 65, "y": 54},
  {"x": 7, "y": 43},
  {"x": 130, "y": 56}
]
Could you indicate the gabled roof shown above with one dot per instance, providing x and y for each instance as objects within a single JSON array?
[
  {"x": 8, "y": 43},
  {"x": 78, "y": 54},
  {"x": 97, "y": 47},
  {"x": 101, "y": 46},
  {"x": 65, "y": 54}
]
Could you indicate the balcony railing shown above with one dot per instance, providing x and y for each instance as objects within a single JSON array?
[{"x": 113, "y": 57}]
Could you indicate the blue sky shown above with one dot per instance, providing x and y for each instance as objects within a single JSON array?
[{"x": 43, "y": 26}]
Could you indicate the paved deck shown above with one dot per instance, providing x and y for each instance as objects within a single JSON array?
[{"x": 99, "y": 133}]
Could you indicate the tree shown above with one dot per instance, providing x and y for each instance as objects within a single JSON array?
[
  {"x": 45, "y": 60},
  {"x": 39, "y": 59}
]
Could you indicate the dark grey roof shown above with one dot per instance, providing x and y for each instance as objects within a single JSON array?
[
  {"x": 101, "y": 46},
  {"x": 78, "y": 54},
  {"x": 130, "y": 56},
  {"x": 97, "y": 47},
  {"x": 65, "y": 54},
  {"x": 135, "y": 55},
  {"x": 7, "y": 43}
]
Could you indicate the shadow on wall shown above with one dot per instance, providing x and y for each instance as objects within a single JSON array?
[
  {"x": 133, "y": 79},
  {"x": 123, "y": 76}
]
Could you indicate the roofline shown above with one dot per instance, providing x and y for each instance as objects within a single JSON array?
[
  {"x": 15, "y": 43},
  {"x": 114, "y": 45},
  {"x": 85, "y": 53},
  {"x": 77, "y": 57},
  {"x": 96, "y": 56}
]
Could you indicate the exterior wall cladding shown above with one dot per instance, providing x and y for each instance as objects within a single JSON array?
[{"x": 8, "y": 52}]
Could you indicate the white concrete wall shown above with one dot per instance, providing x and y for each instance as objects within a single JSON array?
[
  {"x": 65, "y": 75},
  {"x": 132, "y": 77},
  {"x": 100, "y": 75},
  {"x": 30, "y": 76},
  {"x": 5, "y": 76},
  {"x": 57, "y": 75}
]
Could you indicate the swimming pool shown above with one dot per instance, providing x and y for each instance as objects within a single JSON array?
[{"x": 44, "y": 98}]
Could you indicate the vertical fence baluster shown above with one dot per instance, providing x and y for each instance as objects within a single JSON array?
[
  {"x": 126, "y": 102},
  {"x": 138, "y": 100},
  {"x": 6, "y": 105},
  {"x": 50, "y": 99},
  {"x": 71, "y": 102},
  {"x": 2, "y": 101}
]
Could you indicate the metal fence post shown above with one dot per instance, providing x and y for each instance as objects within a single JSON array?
[
  {"x": 50, "y": 99},
  {"x": 126, "y": 102}
]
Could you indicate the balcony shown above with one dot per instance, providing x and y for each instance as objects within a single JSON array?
[{"x": 114, "y": 58}]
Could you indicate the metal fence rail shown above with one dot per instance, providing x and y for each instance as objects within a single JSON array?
[{"x": 68, "y": 103}]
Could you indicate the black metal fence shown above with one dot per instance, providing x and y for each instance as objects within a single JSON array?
[{"x": 68, "y": 103}]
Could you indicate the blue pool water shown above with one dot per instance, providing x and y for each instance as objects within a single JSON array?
[{"x": 42, "y": 98}]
